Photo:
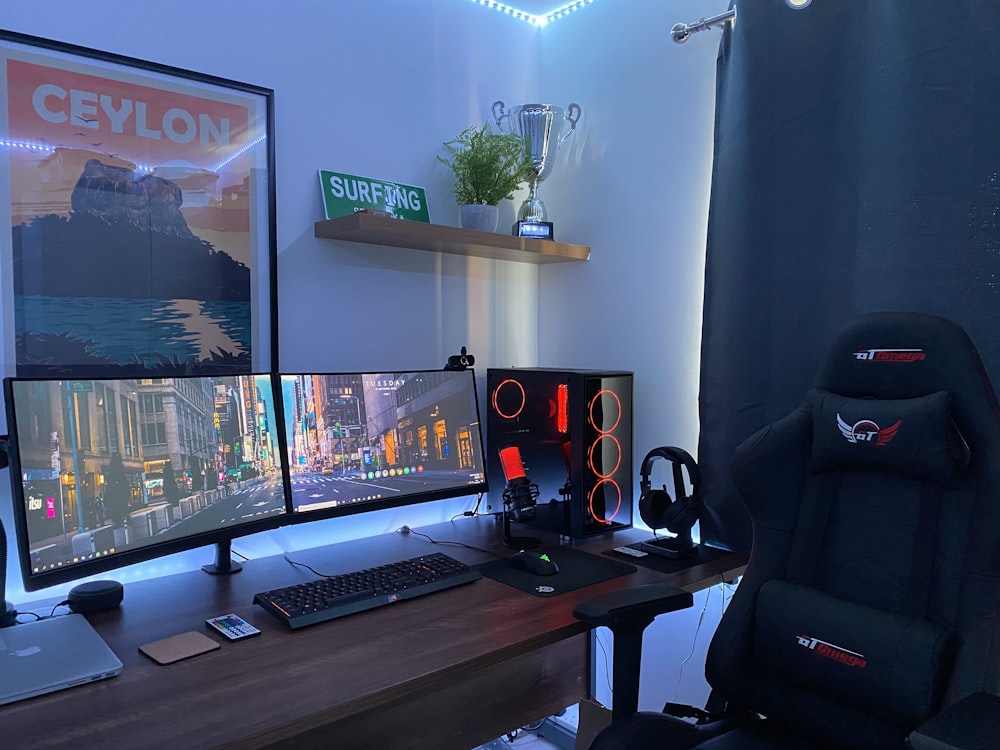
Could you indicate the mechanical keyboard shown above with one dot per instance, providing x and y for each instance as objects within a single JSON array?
[{"x": 345, "y": 594}]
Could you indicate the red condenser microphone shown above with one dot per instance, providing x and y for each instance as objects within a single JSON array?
[{"x": 521, "y": 493}]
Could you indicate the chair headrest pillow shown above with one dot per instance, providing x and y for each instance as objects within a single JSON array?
[{"x": 915, "y": 437}]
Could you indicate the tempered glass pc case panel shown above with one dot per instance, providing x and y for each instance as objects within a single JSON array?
[{"x": 574, "y": 432}]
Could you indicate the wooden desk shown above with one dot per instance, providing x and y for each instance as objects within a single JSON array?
[{"x": 450, "y": 670}]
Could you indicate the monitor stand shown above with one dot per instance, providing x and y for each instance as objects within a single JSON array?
[
  {"x": 8, "y": 615},
  {"x": 224, "y": 563}
]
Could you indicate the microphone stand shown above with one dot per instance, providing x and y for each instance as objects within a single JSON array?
[
  {"x": 516, "y": 542},
  {"x": 519, "y": 494}
]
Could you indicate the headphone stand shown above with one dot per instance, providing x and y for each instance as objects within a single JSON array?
[
  {"x": 678, "y": 514},
  {"x": 516, "y": 542},
  {"x": 672, "y": 547}
]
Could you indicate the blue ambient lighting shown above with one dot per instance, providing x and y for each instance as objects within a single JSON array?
[
  {"x": 45, "y": 148},
  {"x": 239, "y": 153},
  {"x": 26, "y": 146},
  {"x": 530, "y": 18}
]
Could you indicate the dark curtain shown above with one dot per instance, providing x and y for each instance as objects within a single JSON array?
[{"x": 857, "y": 168}]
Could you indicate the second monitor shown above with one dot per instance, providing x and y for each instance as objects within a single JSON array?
[{"x": 366, "y": 441}]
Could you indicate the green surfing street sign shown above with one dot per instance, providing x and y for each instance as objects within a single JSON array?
[{"x": 345, "y": 194}]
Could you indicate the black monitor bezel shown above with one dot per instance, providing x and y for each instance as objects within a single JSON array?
[
  {"x": 305, "y": 516},
  {"x": 34, "y": 581}
]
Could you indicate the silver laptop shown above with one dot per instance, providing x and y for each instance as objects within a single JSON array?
[{"x": 48, "y": 655}]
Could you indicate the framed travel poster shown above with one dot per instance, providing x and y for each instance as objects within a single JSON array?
[{"x": 140, "y": 205}]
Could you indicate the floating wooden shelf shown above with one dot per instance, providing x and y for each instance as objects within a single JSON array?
[{"x": 381, "y": 230}]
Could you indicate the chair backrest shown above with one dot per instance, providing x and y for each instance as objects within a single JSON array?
[{"x": 871, "y": 595}]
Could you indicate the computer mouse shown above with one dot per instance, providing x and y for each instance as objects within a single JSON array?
[{"x": 535, "y": 563}]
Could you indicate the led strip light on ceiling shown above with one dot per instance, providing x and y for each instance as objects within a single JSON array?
[{"x": 533, "y": 19}]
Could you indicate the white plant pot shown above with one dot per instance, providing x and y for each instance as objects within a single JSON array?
[{"x": 481, "y": 218}]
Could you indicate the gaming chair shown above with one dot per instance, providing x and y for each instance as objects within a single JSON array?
[{"x": 869, "y": 614}]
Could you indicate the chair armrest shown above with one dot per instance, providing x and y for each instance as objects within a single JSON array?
[
  {"x": 627, "y": 613},
  {"x": 633, "y": 605},
  {"x": 972, "y": 723}
]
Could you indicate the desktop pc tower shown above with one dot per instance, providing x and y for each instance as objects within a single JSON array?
[{"x": 573, "y": 432}]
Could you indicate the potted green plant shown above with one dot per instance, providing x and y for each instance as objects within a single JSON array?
[{"x": 488, "y": 168}]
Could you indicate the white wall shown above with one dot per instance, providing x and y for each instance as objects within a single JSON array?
[
  {"x": 633, "y": 183},
  {"x": 373, "y": 87}
]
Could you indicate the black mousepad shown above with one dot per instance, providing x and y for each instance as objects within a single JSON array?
[
  {"x": 576, "y": 570},
  {"x": 664, "y": 564}
]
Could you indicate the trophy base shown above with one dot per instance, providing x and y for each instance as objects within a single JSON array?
[
  {"x": 539, "y": 230},
  {"x": 531, "y": 210}
]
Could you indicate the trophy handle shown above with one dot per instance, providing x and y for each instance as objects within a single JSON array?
[
  {"x": 573, "y": 115},
  {"x": 498, "y": 104}
]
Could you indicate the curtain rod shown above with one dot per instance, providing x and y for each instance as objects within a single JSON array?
[{"x": 681, "y": 31}]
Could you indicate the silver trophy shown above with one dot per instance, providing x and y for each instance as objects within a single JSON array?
[{"x": 538, "y": 125}]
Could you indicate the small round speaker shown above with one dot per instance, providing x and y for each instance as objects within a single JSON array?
[{"x": 95, "y": 596}]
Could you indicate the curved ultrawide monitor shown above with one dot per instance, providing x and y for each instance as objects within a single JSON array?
[
  {"x": 106, "y": 473},
  {"x": 365, "y": 441}
]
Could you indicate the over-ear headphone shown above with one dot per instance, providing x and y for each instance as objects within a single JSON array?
[{"x": 656, "y": 508}]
